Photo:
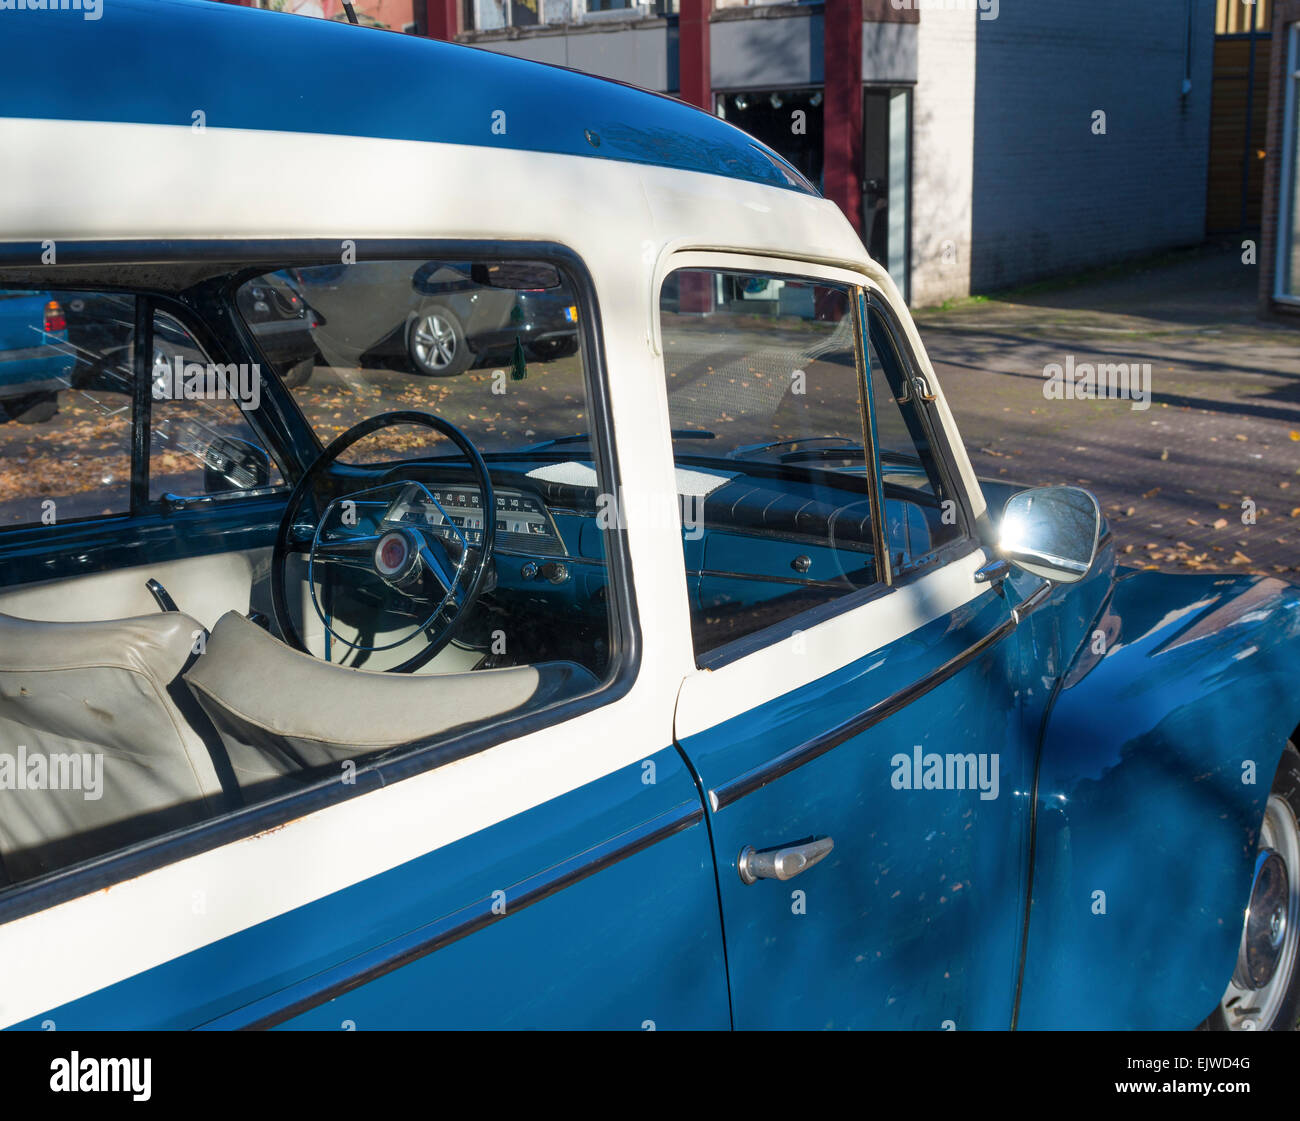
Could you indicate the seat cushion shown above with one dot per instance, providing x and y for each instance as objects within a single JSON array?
[
  {"x": 94, "y": 751},
  {"x": 282, "y": 712}
]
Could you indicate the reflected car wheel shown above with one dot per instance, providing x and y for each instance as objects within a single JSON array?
[
  {"x": 551, "y": 349},
  {"x": 34, "y": 409},
  {"x": 299, "y": 373},
  {"x": 436, "y": 343},
  {"x": 1264, "y": 993}
]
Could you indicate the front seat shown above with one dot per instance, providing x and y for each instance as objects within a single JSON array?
[
  {"x": 286, "y": 717},
  {"x": 98, "y": 740}
]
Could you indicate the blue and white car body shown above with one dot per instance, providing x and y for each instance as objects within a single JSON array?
[{"x": 580, "y": 866}]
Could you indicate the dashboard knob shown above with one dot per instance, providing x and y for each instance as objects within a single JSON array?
[
  {"x": 801, "y": 563},
  {"x": 555, "y": 572},
  {"x": 529, "y": 571}
]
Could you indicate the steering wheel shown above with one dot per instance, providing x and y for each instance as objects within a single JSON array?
[{"x": 420, "y": 567}]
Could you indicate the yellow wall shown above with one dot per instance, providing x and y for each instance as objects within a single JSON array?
[{"x": 1233, "y": 17}]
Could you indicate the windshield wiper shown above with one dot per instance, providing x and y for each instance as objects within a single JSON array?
[
  {"x": 843, "y": 451},
  {"x": 841, "y": 448},
  {"x": 754, "y": 449},
  {"x": 585, "y": 438}
]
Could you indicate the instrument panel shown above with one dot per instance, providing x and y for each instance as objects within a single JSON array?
[{"x": 523, "y": 523}]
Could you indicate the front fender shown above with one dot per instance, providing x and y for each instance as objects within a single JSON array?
[{"x": 1155, "y": 763}]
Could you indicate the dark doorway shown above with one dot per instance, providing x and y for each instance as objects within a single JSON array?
[{"x": 787, "y": 121}]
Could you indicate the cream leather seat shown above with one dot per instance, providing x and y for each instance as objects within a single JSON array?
[
  {"x": 98, "y": 707},
  {"x": 286, "y": 717}
]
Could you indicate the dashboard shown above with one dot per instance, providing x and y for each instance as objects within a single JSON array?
[{"x": 523, "y": 523}]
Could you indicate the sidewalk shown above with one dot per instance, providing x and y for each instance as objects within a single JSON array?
[{"x": 1224, "y": 421}]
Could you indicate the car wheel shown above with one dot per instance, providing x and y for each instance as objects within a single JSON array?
[
  {"x": 436, "y": 343},
  {"x": 299, "y": 373},
  {"x": 34, "y": 409},
  {"x": 1264, "y": 993}
]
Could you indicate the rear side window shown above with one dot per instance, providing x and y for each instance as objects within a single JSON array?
[
  {"x": 456, "y": 555},
  {"x": 449, "y": 573}
]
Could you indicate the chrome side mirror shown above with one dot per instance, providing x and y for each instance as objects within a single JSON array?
[{"x": 1051, "y": 532}]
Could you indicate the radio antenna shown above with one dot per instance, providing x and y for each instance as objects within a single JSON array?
[{"x": 352, "y": 15}]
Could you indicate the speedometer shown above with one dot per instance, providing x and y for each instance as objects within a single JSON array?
[{"x": 522, "y": 521}]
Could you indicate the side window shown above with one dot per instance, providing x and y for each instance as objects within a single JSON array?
[
  {"x": 200, "y": 441},
  {"x": 921, "y": 513},
  {"x": 65, "y": 405},
  {"x": 767, "y": 411},
  {"x": 462, "y": 544}
]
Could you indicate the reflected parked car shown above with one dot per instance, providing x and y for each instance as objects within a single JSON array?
[
  {"x": 437, "y": 319},
  {"x": 100, "y": 327}
]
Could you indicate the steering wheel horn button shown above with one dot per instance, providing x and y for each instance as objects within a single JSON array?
[{"x": 395, "y": 555}]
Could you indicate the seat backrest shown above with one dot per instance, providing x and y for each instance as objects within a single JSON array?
[
  {"x": 96, "y": 748},
  {"x": 287, "y": 718}
]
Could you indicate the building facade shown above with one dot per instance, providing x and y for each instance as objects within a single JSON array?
[
  {"x": 1279, "y": 256},
  {"x": 974, "y": 144}
]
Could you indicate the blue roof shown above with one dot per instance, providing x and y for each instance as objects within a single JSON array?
[{"x": 157, "y": 61}]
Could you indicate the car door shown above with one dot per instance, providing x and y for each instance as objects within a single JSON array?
[{"x": 858, "y": 736}]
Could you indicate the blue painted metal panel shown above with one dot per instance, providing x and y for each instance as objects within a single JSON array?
[
  {"x": 158, "y": 61},
  {"x": 915, "y": 917},
  {"x": 639, "y": 940},
  {"x": 1141, "y": 796}
]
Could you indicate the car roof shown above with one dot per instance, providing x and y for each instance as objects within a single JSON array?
[{"x": 163, "y": 61}]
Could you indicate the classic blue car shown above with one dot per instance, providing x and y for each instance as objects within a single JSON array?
[
  {"x": 35, "y": 358},
  {"x": 690, "y": 680}
]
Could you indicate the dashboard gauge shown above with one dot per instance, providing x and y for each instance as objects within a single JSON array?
[{"x": 522, "y": 521}]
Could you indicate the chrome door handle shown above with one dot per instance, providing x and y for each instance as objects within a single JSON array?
[{"x": 782, "y": 864}]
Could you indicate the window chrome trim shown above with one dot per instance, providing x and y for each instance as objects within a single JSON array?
[{"x": 940, "y": 444}]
